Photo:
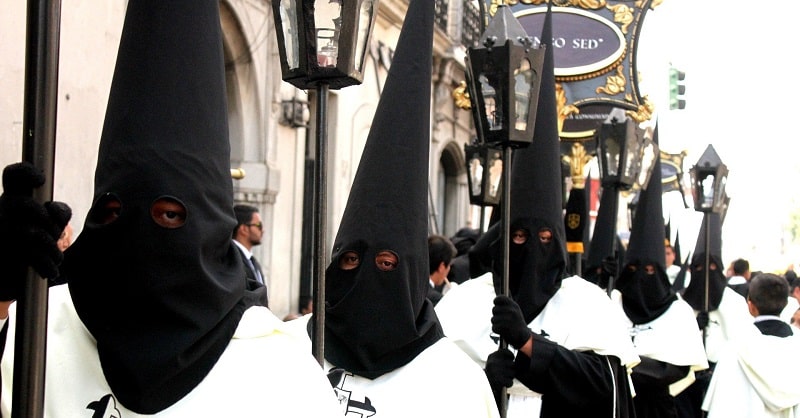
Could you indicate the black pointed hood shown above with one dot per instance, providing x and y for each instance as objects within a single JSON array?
[
  {"x": 377, "y": 315},
  {"x": 536, "y": 268},
  {"x": 695, "y": 292},
  {"x": 153, "y": 275},
  {"x": 646, "y": 296},
  {"x": 603, "y": 237}
]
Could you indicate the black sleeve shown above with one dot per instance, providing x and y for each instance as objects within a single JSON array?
[
  {"x": 654, "y": 373},
  {"x": 577, "y": 378}
]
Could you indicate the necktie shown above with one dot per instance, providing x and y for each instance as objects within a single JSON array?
[{"x": 257, "y": 269}]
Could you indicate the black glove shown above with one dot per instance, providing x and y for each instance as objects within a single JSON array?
[
  {"x": 508, "y": 322},
  {"x": 500, "y": 369},
  {"x": 28, "y": 230},
  {"x": 702, "y": 320},
  {"x": 610, "y": 267}
]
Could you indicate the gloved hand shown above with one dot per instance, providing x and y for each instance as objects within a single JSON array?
[
  {"x": 702, "y": 320},
  {"x": 28, "y": 230},
  {"x": 610, "y": 267},
  {"x": 508, "y": 322},
  {"x": 500, "y": 369}
]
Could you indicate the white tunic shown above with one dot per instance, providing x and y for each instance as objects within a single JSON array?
[
  {"x": 440, "y": 382},
  {"x": 266, "y": 371},
  {"x": 756, "y": 377},
  {"x": 671, "y": 338},
  {"x": 726, "y": 322}
]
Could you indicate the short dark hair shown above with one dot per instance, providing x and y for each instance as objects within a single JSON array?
[
  {"x": 740, "y": 266},
  {"x": 464, "y": 239},
  {"x": 440, "y": 250},
  {"x": 791, "y": 277},
  {"x": 244, "y": 214},
  {"x": 769, "y": 293}
]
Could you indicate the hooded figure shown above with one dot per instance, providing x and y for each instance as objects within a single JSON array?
[
  {"x": 661, "y": 326},
  {"x": 695, "y": 292},
  {"x": 385, "y": 226},
  {"x": 380, "y": 328},
  {"x": 154, "y": 277},
  {"x": 643, "y": 282},
  {"x": 726, "y": 315},
  {"x": 573, "y": 348}
]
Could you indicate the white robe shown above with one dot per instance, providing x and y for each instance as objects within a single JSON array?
[
  {"x": 756, "y": 377},
  {"x": 671, "y": 338},
  {"x": 440, "y": 382},
  {"x": 569, "y": 319},
  {"x": 264, "y": 372},
  {"x": 725, "y": 323}
]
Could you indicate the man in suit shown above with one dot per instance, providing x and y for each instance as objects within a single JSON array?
[{"x": 247, "y": 234}]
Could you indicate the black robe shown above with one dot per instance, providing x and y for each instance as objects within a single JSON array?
[{"x": 575, "y": 383}]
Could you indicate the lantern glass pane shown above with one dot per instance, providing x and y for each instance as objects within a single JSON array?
[
  {"x": 631, "y": 162},
  {"x": 495, "y": 163},
  {"x": 522, "y": 92},
  {"x": 719, "y": 191},
  {"x": 492, "y": 103},
  {"x": 328, "y": 23},
  {"x": 707, "y": 191},
  {"x": 364, "y": 22},
  {"x": 475, "y": 175},
  {"x": 288, "y": 17},
  {"x": 611, "y": 152}
]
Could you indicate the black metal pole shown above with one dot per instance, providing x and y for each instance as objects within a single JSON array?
[
  {"x": 482, "y": 222},
  {"x": 320, "y": 223},
  {"x": 614, "y": 250},
  {"x": 707, "y": 263},
  {"x": 38, "y": 148},
  {"x": 505, "y": 204}
]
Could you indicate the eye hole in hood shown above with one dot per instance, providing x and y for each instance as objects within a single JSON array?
[
  {"x": 168, "y": 212},
  {"x": 105, "y": 211}
]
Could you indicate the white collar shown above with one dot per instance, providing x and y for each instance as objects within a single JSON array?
[{"x": 244, "y": 250}]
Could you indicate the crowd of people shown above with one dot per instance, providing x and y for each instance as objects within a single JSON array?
[{"x": 158, "y": 308}]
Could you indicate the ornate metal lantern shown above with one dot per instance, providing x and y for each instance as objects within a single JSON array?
[
  {"x": 323, "y": 40},
  {"x": 619, "y": 151},
  {"x": 504, "y": 79},
  {"x": 709, "y": 176}
]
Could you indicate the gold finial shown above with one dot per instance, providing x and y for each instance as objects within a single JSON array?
[
  {"x": 577, "y": 160},
  {"x": 237, "y": 173}
]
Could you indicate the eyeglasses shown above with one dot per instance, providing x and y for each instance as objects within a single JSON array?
[{"x": 257, "y": 225}]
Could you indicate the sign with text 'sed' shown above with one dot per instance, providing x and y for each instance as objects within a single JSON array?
[{"x": 594, "y": 44}]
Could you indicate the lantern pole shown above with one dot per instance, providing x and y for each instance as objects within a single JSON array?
[
  {"x": 320, "y": 209},
  {"x": 38, "y": 143},
  {"x": 506, "y": 220},
  {"x": 707, "y": 264}
]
